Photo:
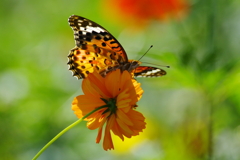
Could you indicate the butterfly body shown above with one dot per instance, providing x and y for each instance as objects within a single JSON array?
[{"x": 96, "y": 49}]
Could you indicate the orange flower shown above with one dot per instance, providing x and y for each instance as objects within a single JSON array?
[{"x": 115, "y": 96}]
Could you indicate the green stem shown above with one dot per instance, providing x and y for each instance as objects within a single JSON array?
[{"x": 64, "y": 131}]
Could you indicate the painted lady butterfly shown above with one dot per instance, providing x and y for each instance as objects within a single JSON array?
[{"x": 96, "y": 49}]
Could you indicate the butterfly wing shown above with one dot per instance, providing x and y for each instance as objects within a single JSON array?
[
  {"x": 96, "y": 49},
  {"x": 145, "y": 71},
  {"x": 82, "y": 62}
]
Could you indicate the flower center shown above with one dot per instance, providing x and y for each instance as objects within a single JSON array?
[{"x": 111, "y": 105}]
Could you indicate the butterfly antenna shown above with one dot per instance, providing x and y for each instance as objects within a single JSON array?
[
  {"x": 145, "y": 52},
  {"x": 156, "y": 64}
]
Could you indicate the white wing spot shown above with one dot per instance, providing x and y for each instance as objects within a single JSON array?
[{"x": 155, "y": 71}]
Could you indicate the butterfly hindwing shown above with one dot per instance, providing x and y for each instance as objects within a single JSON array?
[
  {"x": 145, "y": 71},
  {"x": 82, "y": 62}
]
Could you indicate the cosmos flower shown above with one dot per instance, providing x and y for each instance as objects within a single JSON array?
[{"x": 114, "y": 97}]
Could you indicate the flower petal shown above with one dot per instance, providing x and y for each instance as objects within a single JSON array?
[
  {"x": 97, "y": 83},
  {"x": 116, "y": 130},
  {"x": 112, "y": 83},
  {"x": 96, "y": 120},
  {"x": 76, "y": 109},
  {"x": 126, "y": 76},
  {"x": 123, "y": 95},
  {"x": 88, "y": 89},
  {"x": 123, "y": 103},
  {"x": 124, "y": 128},
  {"x": 123, "y": 100},
  {"x": 124, "y": 117},
  {"x": 107, "y": 140},
  {"x": 87, "y": 103},
  {"x": 99, "y": 136},
  {"x": 138, "y": 120}
]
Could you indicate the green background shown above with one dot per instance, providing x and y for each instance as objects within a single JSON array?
[{"x": 192, "y": 113}]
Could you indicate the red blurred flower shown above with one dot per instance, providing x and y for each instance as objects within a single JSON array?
[{"x": 141, "y": 11}]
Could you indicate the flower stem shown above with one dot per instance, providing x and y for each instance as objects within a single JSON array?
[{"x": 64, "y": 131}]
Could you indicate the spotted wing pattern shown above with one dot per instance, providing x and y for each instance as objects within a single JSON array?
[{"x": 96, "y": 49}]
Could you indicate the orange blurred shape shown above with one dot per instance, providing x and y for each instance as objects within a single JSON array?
[{"x": 142, "y": 11}]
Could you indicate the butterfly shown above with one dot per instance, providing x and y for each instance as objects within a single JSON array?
[{"x": 97, "y": 50}]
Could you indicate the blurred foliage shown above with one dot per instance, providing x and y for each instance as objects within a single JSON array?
[{"x": 192, "y": 113}]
